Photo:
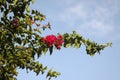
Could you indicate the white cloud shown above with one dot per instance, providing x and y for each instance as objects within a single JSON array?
[
  {"x": 72, "y": 14},
  {"x": 94, "y": 17},
  {"x": 95, "y": 27},
  {"x": 100, "y": 26},
  {"x": 77, "y": 12}
]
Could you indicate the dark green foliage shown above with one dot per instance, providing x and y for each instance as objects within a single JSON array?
[
  {"x": 20, "y": 42},
  {"x": 76, "y": 40}
]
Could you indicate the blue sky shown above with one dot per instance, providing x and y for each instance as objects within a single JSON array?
[{"x": 97, "y": 20}]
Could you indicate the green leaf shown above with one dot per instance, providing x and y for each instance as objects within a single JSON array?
[
  {"x": 18, "y": 40},
  {"x": 36, "y": 17},
  {"x": 51, "y": 74},
  {"x": 39, "y": 52},
  {"x": 78, "y": 45},
  {"x": 15, "y": 1},
  {"x": 2, "y": 9},
  {"x": 51, "y": 49},
  {"x": 33, "y": 1},
  {"x": 74, "y": 33},
  {"x": 1, "y": 0},
  {"x": 27, "y": 9},
  {"x": 38, "y": 30}
]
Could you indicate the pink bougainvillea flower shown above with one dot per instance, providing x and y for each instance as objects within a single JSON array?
[
  {"x": 50, "y": 39},
  {"x": 38, "y": 25},
  {"x": 32, "y": 22},
  {"x": 15, "y": 21},
  {"x": 43, "y": 40},
  {"x": 59, "y": 37},
  {"x": 16, "y": 26},
  {"x": 58, "y": 47},
  {"x": 35, "y": 29},
  {"x": 61, "y": 41}
]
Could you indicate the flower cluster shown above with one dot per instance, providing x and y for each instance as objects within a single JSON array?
[
  {"x": 31, "y": 21},
  {"x": 51, "y": 40},
  {"x": 15, "y": 22}
]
